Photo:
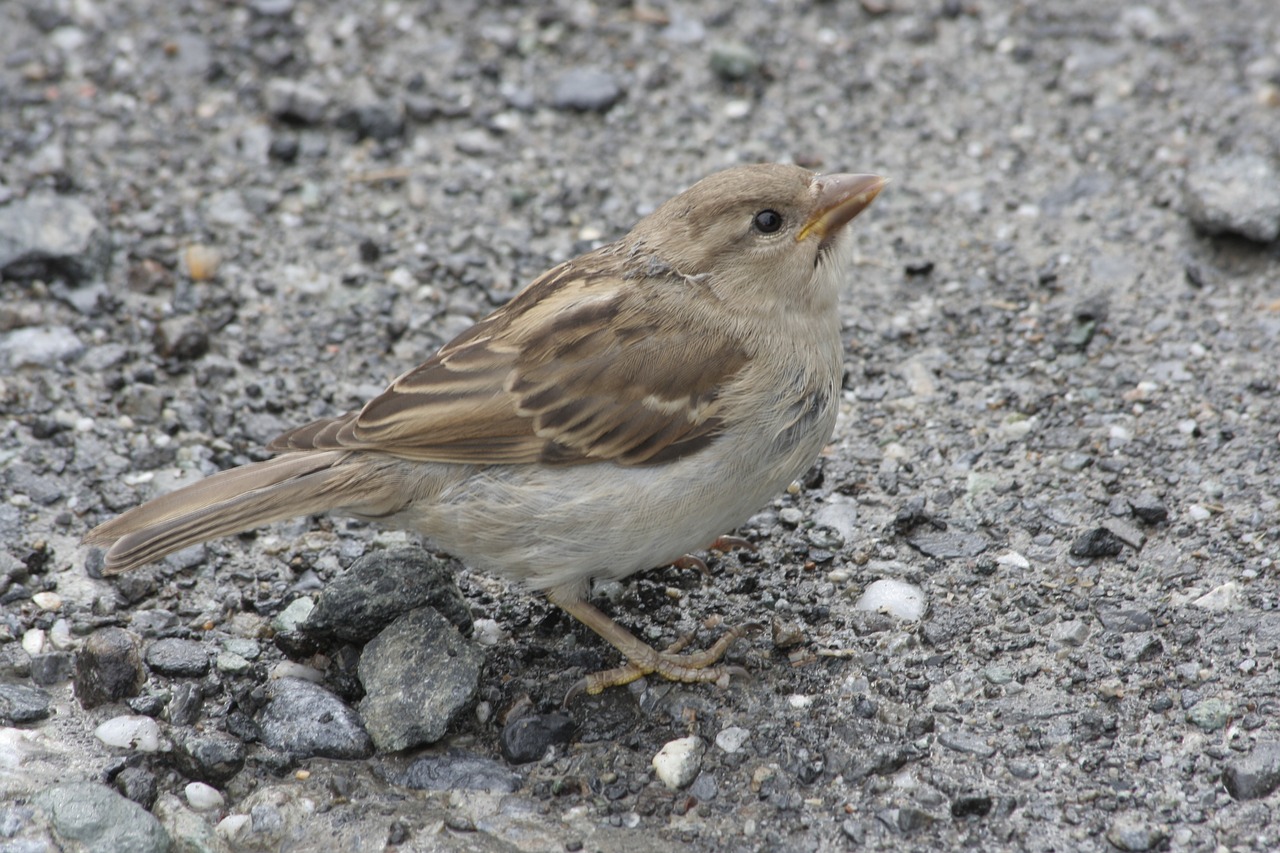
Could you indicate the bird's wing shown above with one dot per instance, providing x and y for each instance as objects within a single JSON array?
[{"x": 578, "y": 367}]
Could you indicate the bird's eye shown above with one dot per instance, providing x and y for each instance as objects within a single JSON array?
[{"x": 767, "y": 221}]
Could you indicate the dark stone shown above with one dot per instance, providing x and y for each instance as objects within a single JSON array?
[
  {"x": 1127, "y": 621},
  {"x": 971, "y": 805},
  {"x": 108, "y": 668},
  {"x": 212, "y": 757},
  {"x": 184, "y": 706},
  {"x": 528, "y": 738},
  {"x": 418, "y": 675},
  {"x": 296, "y": 645},
  {"x": 179, "y": 658},
  {"x": 50, "y": 237},
  {"x": 303, "y": 720},
  {"x": 377, "y": 121},
  {"x": 51, "y": 668},
  {"x": 455, "y": 772},
  {"x": 1149, "y": 509},
  {"x": 22, "y": 704},
  {"x": 149, "y": 705},
  {"x": 378, "y": 588},
  {"x": 137, "y": 784},
  {"x": 1255, "y": 775},
  {"x": 1098, "y": 542},
  {"x": 184, "y": 339}
]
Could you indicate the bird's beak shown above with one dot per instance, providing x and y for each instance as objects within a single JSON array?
[{"x": 839, "y": 199}]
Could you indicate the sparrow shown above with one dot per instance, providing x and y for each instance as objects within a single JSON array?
[{"x": 623, "y": 410}]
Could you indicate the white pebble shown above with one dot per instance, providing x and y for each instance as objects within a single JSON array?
[
  {"x": 1220, "y": 598},
  {"x": 799, "y": 701},
  {"x": 289, "y": 669},
  {"x": 47, "y": 600},
  {"x": 231, "y": 826},
  {"x": 202, "y": 797},
  {"x": 60, "y": 635},
  {"x": 33, "y": 641},
  {"x": 130, "y": 732},
  {"x": 678, "y": 762},
  {"x": 898, "y": 599},
  {"x": 1013, "y": 560},
  {"x": 1198, "y": 513},
  {"x": 487, "y": 632},
  {"x": 732, "y": 738}
]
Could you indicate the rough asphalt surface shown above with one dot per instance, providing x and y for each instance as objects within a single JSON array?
[{"x": 1060, "y": 437}]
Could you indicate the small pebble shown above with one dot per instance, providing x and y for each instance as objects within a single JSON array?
[
  {"x": 679, "y": 761},
  {"x": 586, "y": 90},
  {"x": 1013, "y": 560},
  {"x": 294, "y": 615},
  {"x": 898, "y": 599},
  {"x": 1227, "y": 596},
  {"x": 130, "y": 732},
  {"x": 47, "y": 600},
  {"x": 732, "y": 738},
  {"x": 231, "y": 663},
  {"x": 1211, "y": 715},
  {"x": 202, "y": 261},
  {"x": 202, "y": 797}
]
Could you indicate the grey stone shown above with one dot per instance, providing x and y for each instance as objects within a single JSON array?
[
  {"x": 1210, "y": 715},
  {"x": 14, "y": 661},
  {"x": 381, "y": 586},
  {"x": 175, "y": 657},
  {"x": 527, "y": 739},
  {"x": 948, "y": 545},
  {"x": 1255, "y": 775},
  {"x": 20, "y": 703},
  {"x": 297, "y": 102},
  {"x": 39, "y": 346},
  {"x": 1235, "y": 195},
  {"x": 418, "y": 675},
  {"x": 305, "y": 720},
  {"x": 212, "y": 757},
  {"x": 102, "y": 820},
  {"x": 1135, "y": 832},
  {"x": 732, "y": 61},
  {"x": 966, "y": 742},
  {"x": 52, "y": 237},
  {"x": 587, "y": 90},
  {"x": 459, "y": 772},
  {"x": 108, "y": 668},
  {"x": 51, "y": 668}
]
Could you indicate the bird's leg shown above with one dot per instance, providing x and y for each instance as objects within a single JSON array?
[{"x": 643, "y": 659}]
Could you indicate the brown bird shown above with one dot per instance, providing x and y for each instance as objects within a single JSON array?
[{"x": 626, "y": 408}]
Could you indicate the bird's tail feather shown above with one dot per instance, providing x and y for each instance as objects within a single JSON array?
[{"x": 229, "y": 502}]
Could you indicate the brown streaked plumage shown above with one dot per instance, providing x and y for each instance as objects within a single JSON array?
[{"x": 627, "y": 407}]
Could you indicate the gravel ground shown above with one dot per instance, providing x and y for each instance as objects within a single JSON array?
[{"x": 1060, "y": 436}]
